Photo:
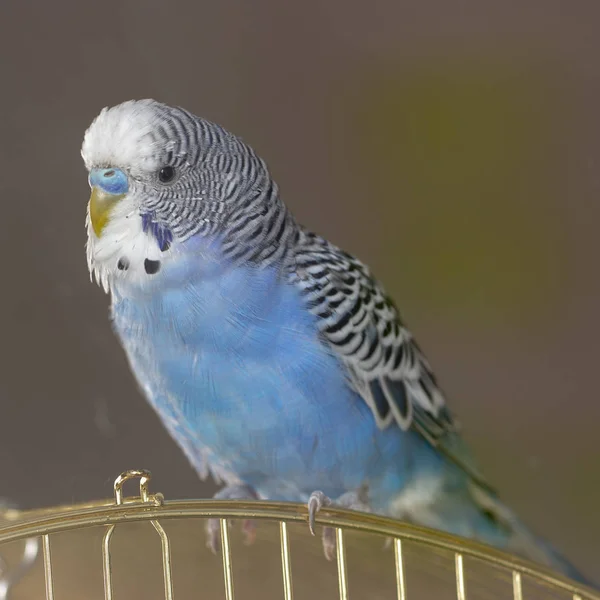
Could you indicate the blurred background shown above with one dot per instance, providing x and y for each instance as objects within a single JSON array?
[{"x": 454, "y": 146}]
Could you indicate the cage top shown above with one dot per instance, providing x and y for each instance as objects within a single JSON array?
[{"x": 36, "y": 527}]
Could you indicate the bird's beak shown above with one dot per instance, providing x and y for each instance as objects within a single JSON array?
[{"x": 101, "y": 205}]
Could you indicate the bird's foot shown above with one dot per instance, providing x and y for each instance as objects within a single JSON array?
[
  {"x": 213, "y": 527},
  {"x": 355, "y": 500}
]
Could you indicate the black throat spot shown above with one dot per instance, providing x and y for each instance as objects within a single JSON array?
[{"x": 151, "y": 266}]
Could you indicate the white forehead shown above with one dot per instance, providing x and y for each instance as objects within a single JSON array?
[{"x": 124, "y": 136}]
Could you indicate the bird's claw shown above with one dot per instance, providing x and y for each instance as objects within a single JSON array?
[
  {"x": 249, "y": 531},
  {"x": 329, "y": 544},
  {"x": 213, "y": 535},
  {"x": 213, "y": 526},
  {"x": 318, "y": 500}
]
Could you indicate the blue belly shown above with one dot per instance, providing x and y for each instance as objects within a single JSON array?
[{"x": 233, "y": 364}]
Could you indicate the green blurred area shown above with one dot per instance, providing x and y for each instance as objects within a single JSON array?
[{"x": 460, "y": 156}]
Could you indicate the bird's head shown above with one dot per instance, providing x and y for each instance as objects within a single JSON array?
[{"x": 159, "y": 177}]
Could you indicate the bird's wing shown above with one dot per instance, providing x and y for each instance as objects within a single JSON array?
[{"x": 384, "y": 363}]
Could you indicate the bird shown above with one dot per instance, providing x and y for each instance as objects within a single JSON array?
[{"x": 275, "y": 360}]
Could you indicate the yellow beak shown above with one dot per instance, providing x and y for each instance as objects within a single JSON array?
[{"x": 101, "y": 205}]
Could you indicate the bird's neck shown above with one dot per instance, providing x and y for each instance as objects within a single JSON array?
[
  {"x": 262, "y": 232},
  {"x": 202, "y": 261},
  {"x": 202, "y": 299}
]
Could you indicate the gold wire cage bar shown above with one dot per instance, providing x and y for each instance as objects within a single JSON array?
[{"x": 26, "y": 531}]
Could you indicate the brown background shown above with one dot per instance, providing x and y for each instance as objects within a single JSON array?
[{"x": 452, "y": 145}]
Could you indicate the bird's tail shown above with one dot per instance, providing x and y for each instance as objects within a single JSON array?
[{"x": 517, "y": 538}]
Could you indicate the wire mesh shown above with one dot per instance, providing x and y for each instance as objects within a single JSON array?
[{"x": 44, "y": 527}]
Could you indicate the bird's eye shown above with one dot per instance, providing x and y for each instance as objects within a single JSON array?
[{"x": 166, "y": 174}]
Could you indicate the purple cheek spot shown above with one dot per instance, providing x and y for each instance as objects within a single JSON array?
[{"x": 159, "y": 232}]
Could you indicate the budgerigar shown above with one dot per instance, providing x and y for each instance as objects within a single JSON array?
[{"x": 274, "y": 359}]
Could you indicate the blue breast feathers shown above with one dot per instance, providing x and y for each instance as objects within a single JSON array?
[{"x": 235, "y": 358}]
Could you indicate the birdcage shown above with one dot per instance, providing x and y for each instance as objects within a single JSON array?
[{"x": 147, "y": 547}]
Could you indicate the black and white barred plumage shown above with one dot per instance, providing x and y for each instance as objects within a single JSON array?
[{"x": 385, "y": 365}]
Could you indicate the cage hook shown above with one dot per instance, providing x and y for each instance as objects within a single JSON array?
[{"x": 145, "y": 477}]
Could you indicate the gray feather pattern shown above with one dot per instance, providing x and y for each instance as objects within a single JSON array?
[{"x": 385, "y": 365}]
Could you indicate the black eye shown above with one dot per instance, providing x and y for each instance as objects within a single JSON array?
[{"x": 166, "y": 174}]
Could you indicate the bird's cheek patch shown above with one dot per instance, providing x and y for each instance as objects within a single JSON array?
[{"x": 161, "y": 233}]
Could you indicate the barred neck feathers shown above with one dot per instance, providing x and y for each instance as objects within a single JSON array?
[{"x": 262, "y": 231}]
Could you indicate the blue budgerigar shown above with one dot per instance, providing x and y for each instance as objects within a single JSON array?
[{"x": 274, "y": 359}]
